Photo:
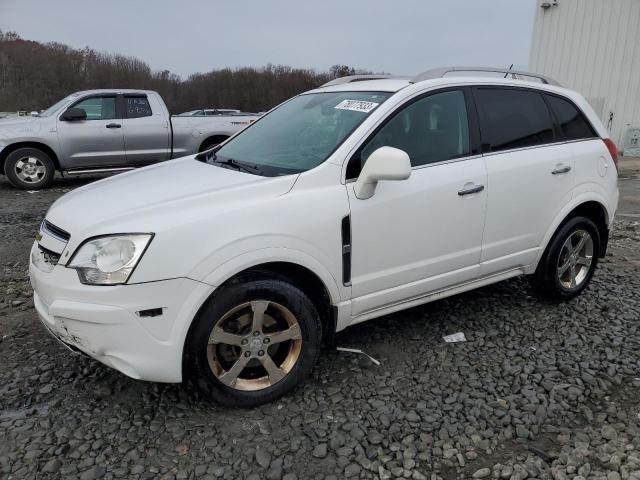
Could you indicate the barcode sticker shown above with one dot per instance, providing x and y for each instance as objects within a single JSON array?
[{"x": 356, "y": 105}]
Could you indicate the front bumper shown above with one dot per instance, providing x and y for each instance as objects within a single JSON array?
[{"x": 104, "y": 323}]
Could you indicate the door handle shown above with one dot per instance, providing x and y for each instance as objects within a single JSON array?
[
  {"x": 560, "y": 170},
  {"x": 113, "y": 125},
  {"x": 471, "y": 190}
]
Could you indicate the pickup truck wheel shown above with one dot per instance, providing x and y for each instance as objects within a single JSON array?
[
  {"x": 211, "y": 142},
  {"x": 569, "y": 262},
  {"x": 253, "y": 342},
  {"x": 29, "y": 169}
]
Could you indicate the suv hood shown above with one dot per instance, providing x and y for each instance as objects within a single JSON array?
[{"x": 160, "y": 197}]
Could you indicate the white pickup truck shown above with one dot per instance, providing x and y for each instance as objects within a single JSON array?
[{"x": 105, "y": 131}]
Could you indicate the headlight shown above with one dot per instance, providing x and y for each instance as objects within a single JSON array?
[{"x": 109, "y": 260}]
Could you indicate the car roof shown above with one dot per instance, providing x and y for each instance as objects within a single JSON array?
[
  {"x": 111, "y": 90},
  {"x": 378, "y": 85},
  {"x": 396, "y": 84}
]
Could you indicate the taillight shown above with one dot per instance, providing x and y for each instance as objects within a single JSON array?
[{"x": 613, "y": 150}]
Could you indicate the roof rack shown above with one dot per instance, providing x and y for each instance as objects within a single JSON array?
[
  {"x": 357, "y": 78},
  {"x": 441, "y": 72}
]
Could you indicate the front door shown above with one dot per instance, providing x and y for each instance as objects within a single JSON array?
[
  {"x": 96, "y": 142},
  {"x": 423, "y": 234}
]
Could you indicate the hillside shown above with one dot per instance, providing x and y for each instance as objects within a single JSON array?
[{"x": 35, "y": 75}]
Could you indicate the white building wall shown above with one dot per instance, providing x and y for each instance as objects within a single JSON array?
[{"x": 593, "y": 46}]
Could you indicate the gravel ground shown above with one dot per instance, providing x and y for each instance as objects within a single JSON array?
[{"x": 538, "y": 390}]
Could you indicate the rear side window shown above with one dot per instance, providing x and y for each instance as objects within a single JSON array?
[
  {"x": 512, "y": 118},
  {"x": 572, "y": 123},
  {"x": 137, "y": 107}
]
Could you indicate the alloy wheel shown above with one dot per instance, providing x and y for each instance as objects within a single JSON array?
[
  {"x": 575, "y": 259},
  {"x": 30, "y": 170},
  {"x": 254, "y": 345}
]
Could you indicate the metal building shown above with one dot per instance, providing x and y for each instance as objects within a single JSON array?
[{"x": 593, "y": 46}]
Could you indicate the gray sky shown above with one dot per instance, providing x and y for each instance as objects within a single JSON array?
[{"x": 187, "y": 36}]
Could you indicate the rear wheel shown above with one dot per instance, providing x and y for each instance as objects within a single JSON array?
[
  {"x": 570, "y": 260},
  {"x": 253, "y": 342},
  {"x": 29, "y": 168},
  {"x": 212, "y": 142}
]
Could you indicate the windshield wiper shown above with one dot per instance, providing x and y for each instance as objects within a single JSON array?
[
  {"x": 209, "y": 156},
  {"x": 254, "y": 169}
]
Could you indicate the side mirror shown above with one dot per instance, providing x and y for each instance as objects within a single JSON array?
[
  {"x": 72, "y": 114},
  {"x": 386, "y": 163}
]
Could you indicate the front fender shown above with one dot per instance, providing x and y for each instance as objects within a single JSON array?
[
  {"x": 244, "y": 261},
  {"x": 36, "y": 133}
]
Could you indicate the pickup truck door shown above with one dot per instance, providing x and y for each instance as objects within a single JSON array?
[
  {"x": 96, "y": 142},
  {"x": 147, "y": 135}
]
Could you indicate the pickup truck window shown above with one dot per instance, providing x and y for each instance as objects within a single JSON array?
[
  {"x": 137, "y": 107},
  {"x": 98, "y": 108},
  {"x": 302, "y": 133}
]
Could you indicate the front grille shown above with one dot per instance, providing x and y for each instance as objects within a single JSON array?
[
  {"x": 55, "y": 231},
  {"x": 49, "y": 257}
]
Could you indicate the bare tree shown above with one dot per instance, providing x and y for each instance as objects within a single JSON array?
[{"x": 35, "y": 75}]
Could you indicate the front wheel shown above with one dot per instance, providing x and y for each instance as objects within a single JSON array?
[
  {"x": 29, "y": 168},
  {"x": 570, "y": 260},
  {"x": 252, "y": 342}
]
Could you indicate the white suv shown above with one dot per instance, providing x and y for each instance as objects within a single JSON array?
[{"x": 348, "y": 202}]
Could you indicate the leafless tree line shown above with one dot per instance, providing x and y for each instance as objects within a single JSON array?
[{"x": 35, "y": 75}]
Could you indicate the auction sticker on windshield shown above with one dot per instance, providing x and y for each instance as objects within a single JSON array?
[{"x": 356, "y": 105}]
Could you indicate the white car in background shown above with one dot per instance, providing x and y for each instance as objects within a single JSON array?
[{"x": 354, "y": 200}]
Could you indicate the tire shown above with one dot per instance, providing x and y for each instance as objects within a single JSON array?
[
  {"x": 211, "y": 142},
  {"x": 227, "y": 360},
  {"x": 569, "y": 261},
  {"x": 29, "y": 168}
]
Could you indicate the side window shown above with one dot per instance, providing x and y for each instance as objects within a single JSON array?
[
  {"x": 512, "y": 118},
  {"x": 432, "y": 129},
  {"x": 98, "y": 108},
  {"x": 137, "y": 107},
  {"x": 572, "y": 123}
]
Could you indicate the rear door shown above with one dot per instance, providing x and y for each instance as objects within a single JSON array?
[
  {"x": 147, "y": 135},
  {"x": 591, "y": 162},
  {"x": 96, "y": 142},
  {"x": 530, "y": 174}
]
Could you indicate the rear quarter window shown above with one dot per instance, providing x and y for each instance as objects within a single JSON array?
[
  {"x": 137, "y": 107},
  {"x": 571, "y": 121},
  {"x": 512, "y": 118}
]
